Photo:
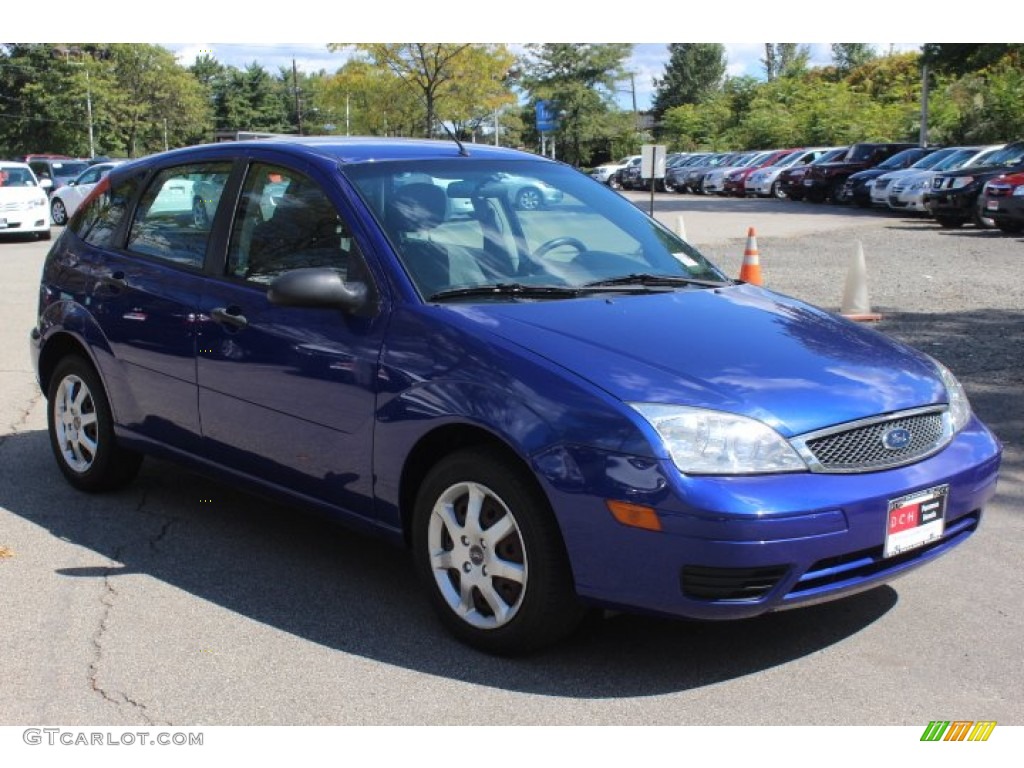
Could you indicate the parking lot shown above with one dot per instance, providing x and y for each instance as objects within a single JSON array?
[{"x": 181, "y": 601}]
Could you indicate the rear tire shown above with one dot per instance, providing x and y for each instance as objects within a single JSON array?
[{"x": 81, "y": 427}]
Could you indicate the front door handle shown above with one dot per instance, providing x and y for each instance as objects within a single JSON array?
[{"x": 229, "y": 316}]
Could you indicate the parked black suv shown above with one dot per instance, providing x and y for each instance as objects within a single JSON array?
[
  {"x": 953, "y": 198},
  {"x": 827, "y": 180}
]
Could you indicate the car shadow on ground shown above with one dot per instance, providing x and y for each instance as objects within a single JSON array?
[{"x": 317, "y": 581}]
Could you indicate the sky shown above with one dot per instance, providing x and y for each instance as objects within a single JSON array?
[{"x": 240, "y": 33}]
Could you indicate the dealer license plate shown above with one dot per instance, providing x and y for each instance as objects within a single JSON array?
[
  {"x": 992, "y": 205},
  {"x": 915, "y": 520}
]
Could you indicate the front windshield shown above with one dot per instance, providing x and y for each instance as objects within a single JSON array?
[
  {"x": 955, "y": 160},
  {"x": 897, "y": 161},
  {"x": 831, "y": 156},
  {"x": 1011, "y": 155},
  {"x": 13, "y": 176},
  {"x": 66, "y": 170},
  {"x": 932, "y": 160},
  {"x": 469, "y": 222}
]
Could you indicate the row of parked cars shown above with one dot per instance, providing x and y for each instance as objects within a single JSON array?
[
  {"x": 980, "y": 184},
  {"x": 39, "y": 189}
]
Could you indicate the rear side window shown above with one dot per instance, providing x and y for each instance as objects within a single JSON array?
[
  {"x": 173, "y": 218},
  {"x": 97, "y": 220}
]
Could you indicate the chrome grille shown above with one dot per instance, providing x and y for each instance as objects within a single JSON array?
[{"x": 861, "y": 446}]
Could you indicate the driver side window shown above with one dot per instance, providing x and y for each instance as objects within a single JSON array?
[{"x": 285, "y": 221}]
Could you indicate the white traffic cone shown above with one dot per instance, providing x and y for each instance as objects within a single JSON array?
[{"x": 856, "y": 305}]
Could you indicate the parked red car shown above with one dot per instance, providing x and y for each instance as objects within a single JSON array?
[
  {"x": 735, "y": 182},
  {"x": 1002, "y": 200}
]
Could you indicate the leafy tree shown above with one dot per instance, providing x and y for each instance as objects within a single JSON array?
[
  {"x": 365, "y": 100},
  {"x": 429, "y": 68},
  {"x": 848, "y": 56},
  {"x": 580, "y": 80},
  {"x": 785, "y": 60},
  {"x": 965, "y": 58},
  {"x": 694, "y": 71}
]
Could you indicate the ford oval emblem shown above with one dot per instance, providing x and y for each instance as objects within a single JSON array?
[{"x": 896, "y": 438}]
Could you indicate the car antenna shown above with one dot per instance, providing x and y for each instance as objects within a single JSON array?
[{"x": 453, "y": 137}]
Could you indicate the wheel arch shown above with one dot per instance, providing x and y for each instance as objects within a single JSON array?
[
  {"x": 57, "y": 347},
  {"x": 439, "y": 443}
]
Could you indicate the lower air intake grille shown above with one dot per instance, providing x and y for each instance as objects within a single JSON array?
[{"x": 706, "y": 583}]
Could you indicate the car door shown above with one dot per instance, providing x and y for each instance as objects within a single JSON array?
[
  {"x": 286, "y": 393},
  {"x": 146, "y": 301}
]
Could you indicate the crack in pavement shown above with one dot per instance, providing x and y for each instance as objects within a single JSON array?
[
  {"x": 22, "y": 418},
  {"x": 108, "y": 599}
]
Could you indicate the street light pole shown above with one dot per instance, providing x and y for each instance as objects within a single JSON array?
[{"x": 88, "y": 111}]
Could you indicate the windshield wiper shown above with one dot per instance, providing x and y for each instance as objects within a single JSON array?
[
  {"x": 644, "y": 278},
  {"x": 507, "y": 289}
]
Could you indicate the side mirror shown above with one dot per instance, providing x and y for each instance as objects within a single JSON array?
[
  {"x": 46, "y": 182},
  {"x": 318, "y": 288}
]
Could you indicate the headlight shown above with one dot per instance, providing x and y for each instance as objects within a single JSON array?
[
  {"x": 959, "y": 407},
  {"x": 705, "y": 442},
  {"x": 1019, "y": 191},
  {"x": 39, "y": 202},
  {"x": 869, "y": 184},
  {"x": 962, "y": 181},
  {"x": 921, "y": 184}
]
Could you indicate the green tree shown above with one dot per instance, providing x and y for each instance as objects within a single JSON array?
[
  {"x": 785, "y": 60},
  {"x": 694, "y": 71},
  {"x": 965, "y": 58},
  {"x": 846, "y": 57},
  {"x": 365, "y": 100},
  {"x": 580, "y": 80},
  {"x": 430, "y": 69}
]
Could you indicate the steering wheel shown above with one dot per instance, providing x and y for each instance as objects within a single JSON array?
[{"x": 558, "y": 242}]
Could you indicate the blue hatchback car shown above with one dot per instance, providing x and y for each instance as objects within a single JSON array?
[{"x": 553, "y": 406}]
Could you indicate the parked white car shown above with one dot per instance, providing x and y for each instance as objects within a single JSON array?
[
  {"x": 23, "y": 203},
  {"x": 714, "y": 182},
  {"x": 764, "y": 182},
  {"x": 605, "y": 173},
  {"x": 878, "y": 188},
  {"x": 66, "y": 199},
  {"x": 907, "y": 193}
]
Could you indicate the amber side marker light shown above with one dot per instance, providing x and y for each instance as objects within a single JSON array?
[{"x": 634, "y": 515}]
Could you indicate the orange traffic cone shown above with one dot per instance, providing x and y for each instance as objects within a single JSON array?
[{"x": 750, "y": 272}]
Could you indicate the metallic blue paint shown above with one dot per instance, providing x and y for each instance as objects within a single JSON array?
[{"x": 325, "y": 408}]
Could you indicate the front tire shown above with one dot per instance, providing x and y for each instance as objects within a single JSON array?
[
  {"x": 949, "y": 222},
  {"x": 489, "y": 552},
  {"x": 81, "y": 427},
  {"x": 529, "y": 199},
  {"x": 58, "y": 212}
]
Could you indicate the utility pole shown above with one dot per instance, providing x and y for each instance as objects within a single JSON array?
[
  {"x": 295, "y": 83},
  {"x": 923, "y": 140}
]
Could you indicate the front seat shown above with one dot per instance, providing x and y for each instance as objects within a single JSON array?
[{"x": 414, "y": 211}]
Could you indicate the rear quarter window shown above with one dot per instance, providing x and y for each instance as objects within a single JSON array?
[{"x": 97, "y": 221}]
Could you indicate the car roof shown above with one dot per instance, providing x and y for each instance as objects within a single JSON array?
[{"x": 356, "y": 149}]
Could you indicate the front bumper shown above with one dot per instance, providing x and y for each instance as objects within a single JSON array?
[
  {"x": 953, "y": 204},
  {"x": 1007, "y": 210},
  {"x": 771, "y": 542},
  {"x": 34, "y": 219}
]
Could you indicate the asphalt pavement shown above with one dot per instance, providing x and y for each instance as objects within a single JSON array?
[{"x": 183, "y": 601}]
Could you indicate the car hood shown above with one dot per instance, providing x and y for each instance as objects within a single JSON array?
[
  {"x": 21, "y": 194},
  {"x": 740, "y": 349}
]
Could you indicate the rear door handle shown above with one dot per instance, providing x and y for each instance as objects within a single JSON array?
[{"x": 229, "y": 316}]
